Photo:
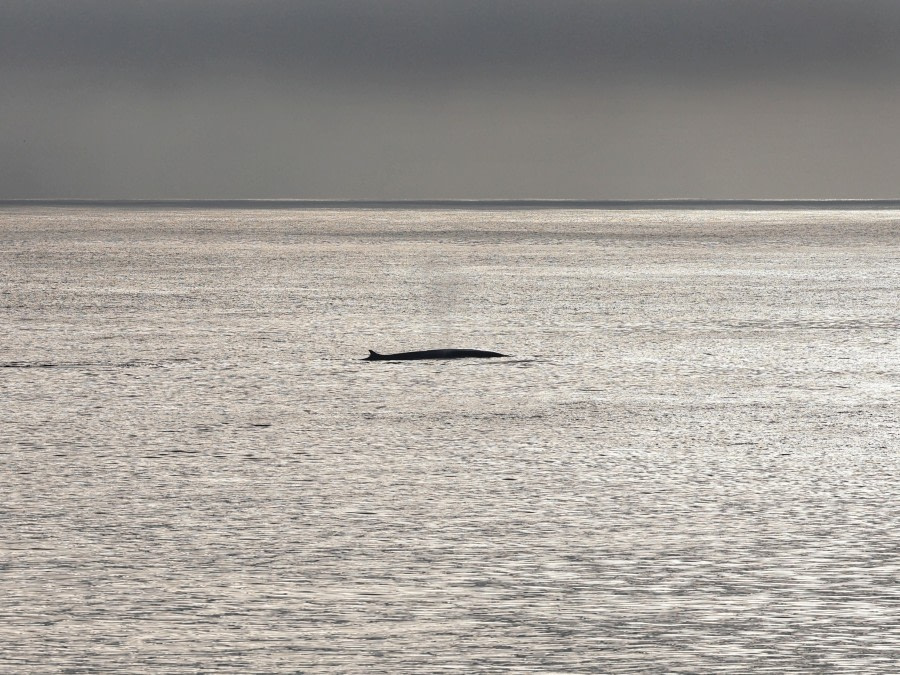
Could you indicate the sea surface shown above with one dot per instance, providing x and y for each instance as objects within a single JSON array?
[{"x": 690, "y": 463}]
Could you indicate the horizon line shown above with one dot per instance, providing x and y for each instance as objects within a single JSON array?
[{"x": 623, "y": 204}]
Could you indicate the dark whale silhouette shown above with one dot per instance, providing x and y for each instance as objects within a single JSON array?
[{"x": 433, "y": 354}]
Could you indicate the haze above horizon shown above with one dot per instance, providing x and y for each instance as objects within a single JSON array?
[{"x": 626, "y": 100}]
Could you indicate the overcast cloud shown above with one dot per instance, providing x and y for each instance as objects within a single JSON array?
[{"x": 450, "y": 98}]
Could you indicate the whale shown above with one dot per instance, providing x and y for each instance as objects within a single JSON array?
[{"x": 433, "y": 354}]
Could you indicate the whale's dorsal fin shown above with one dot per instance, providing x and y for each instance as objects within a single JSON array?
[{"x": 371, "y": 353}]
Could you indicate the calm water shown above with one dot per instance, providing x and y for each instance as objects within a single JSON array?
[{"x": 689, "y": 464}]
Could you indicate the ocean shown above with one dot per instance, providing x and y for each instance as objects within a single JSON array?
[{"x": 688, "y": 462}]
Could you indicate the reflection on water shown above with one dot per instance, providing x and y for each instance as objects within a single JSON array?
[{"x": 689, "y": 465}]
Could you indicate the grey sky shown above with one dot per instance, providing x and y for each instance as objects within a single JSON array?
[{"x": 450, "y": 98}]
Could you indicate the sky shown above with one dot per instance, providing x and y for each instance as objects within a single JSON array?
[{"x": 445, "y": 99}]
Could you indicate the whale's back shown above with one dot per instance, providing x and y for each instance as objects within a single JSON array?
[{"x": 433, "y": 354}]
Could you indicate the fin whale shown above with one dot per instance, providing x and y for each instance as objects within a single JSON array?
[{"x": 433, "y": 354}]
